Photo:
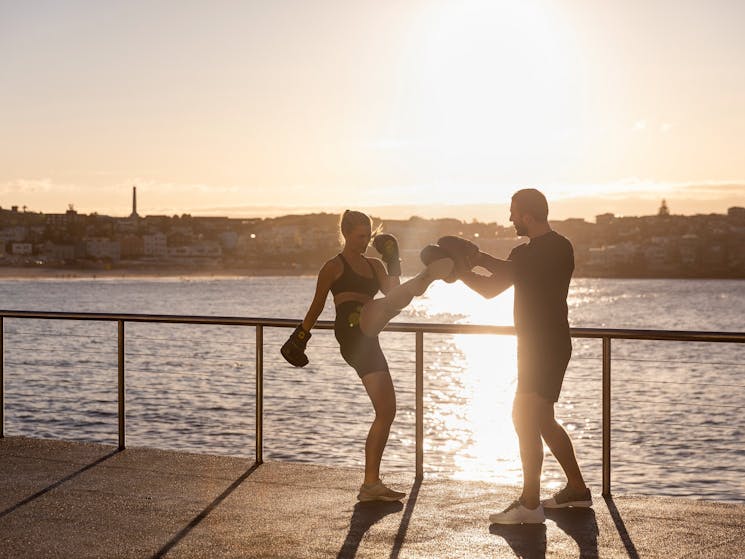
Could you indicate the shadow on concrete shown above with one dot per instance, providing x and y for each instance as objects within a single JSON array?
[
  {"x": 621, "y": 527},
  {"x": 367, "y": 514},
  {"x": 398, "y": 543},
  {"x": 580, "y": 525},
  {"x": 528, "y": 541},
  {"x": 364, "y": 516},
  {"x": 202, "y": 515},
  {"x": 57, "y": 483}
]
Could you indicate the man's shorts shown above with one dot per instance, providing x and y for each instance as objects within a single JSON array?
[{"x": 541, "y": 366}]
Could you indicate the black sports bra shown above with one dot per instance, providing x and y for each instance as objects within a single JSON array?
[{"x": 351, "y": 281}]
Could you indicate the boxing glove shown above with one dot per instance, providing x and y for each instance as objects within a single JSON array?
[
  {"x": 462, "y": 251},
  {"x": 387, "y": 245},
  {"x": 293, "y": 350},
  {"x": 430, "y": 253}
]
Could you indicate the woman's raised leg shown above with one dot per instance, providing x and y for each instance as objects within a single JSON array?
[{"x": 378, "y": 312}]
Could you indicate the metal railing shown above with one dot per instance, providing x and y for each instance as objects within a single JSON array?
[{"x": 419, "y": 329}]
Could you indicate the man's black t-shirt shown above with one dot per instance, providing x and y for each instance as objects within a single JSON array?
[{"x": 542, "y": 270}]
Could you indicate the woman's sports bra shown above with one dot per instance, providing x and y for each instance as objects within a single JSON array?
[{"x": 351, "y": 281}]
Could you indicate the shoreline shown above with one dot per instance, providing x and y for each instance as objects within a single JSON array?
[
  {"x": 41, "y": 273},
  {"x": 22, "y": 273}
]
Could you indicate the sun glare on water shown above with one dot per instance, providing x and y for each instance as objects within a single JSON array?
[{"x": 470, "y": 384}]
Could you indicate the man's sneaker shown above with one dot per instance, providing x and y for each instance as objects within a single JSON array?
[
  {"x": 568, "y": 497},
  {"x": 517, "y": 513},
  {"x": 378, "y": 492}
]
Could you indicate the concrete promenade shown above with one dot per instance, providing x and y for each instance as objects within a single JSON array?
[{"x": 61, "y": 499}]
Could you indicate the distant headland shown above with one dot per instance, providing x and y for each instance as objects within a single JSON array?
[{"x": 71, "y": 244}]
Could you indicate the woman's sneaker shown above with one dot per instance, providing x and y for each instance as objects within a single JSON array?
[
  {"x": 517, "y": 513},
  {"x": 378, "y": 492},
  {"x": 568, "y": 497}
]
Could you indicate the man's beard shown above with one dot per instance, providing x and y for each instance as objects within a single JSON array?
[{"x": 520, "y": 229}]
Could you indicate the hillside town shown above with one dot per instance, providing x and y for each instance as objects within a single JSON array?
[{"x": 661, "y": 245}]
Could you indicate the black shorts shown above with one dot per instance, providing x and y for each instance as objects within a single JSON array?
[
  {"x": 363, "y": 353},
  {"x": 541, "y": 366}
]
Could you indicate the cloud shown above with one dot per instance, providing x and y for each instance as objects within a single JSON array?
[
  {"x": 736, "y": 187},
  {"x": 640, "y": 187},
  {"x": 162, "y": 187},
  {"x": 25, "y": 186}
]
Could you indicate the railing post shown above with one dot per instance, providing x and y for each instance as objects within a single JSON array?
[
  {"x": 259, "y": 394},
  {"x": 121, "y": 385},
  {"x": 2, "y": 381},
  {"x": 419, "y": 413},
  {"x": 606, "y": 415}
]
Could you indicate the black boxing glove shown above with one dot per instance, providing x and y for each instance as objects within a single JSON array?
[
  {"x": 293, "y": 350},
  {"x": 462, "y": 251},
  {"x": 431, "y": 253},
  {"x": 387, "y": 245}
]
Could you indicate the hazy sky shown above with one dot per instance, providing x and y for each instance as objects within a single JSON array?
[{"x": 428, "y": 107}]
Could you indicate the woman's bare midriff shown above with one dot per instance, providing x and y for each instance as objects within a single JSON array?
[{"x": 347, "y": 296}]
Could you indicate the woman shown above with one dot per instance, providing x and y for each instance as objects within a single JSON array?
[{"x": 354, "y": 280}]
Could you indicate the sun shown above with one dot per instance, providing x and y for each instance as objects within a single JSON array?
[{"x": 488, "y": 82}]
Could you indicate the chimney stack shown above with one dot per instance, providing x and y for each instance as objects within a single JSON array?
[{"x": 134, "y": 203}]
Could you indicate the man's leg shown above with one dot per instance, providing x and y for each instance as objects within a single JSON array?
[
  {"x": 527, "y": 509},
  {"x": 561, "y": 447},
  {"x": 525, "y": 416}
]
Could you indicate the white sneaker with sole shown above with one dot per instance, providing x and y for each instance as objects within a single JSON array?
[
  {"x": 517, "y": 513},
  {"x": 378, "y": 492},
  {"x": 569, "y": 498}
]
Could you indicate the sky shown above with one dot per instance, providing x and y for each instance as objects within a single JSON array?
[{"x": 396, "y": 107}]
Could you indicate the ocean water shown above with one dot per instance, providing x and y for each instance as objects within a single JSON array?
[{"x": 677, "y": 421}]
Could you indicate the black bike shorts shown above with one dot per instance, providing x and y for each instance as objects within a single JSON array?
[{"x": 363, "y": 353}]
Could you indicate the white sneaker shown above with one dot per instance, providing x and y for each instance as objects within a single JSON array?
[
  {"x": 517, "y": 513},
  {"x": 379, "y": 492},
  {"x": 568, "y": 498}
]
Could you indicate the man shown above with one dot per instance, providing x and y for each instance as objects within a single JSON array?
[{"x": 540, "y": 271}]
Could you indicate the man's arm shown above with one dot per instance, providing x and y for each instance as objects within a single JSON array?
[
  {"x": 502, "y": 276},
  {"x": 490, "y": 263}
]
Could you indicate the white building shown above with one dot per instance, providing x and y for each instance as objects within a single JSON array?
[
  {"x": 13, "y": 234},
  {"x": 54, "y": 251},
  {"x": 229, "y": 240},
  {"x": 155, "y": 244},
  {"x": 622, "y": 254},
  {"x": 21, "y": 249},
  {"x": 102, "y": 247},
  {"x": 658, "y": 254},
  {"x": 202, "y": 249}
]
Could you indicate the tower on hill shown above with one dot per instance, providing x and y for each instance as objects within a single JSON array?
[
  {"x": 663, "y": 211},
  {"x": 134, "y": 215}
]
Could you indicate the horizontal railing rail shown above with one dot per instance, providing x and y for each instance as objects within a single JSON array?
[
  {"x": 426, "y": 327},
  {"x": 418, "y": 328}
]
